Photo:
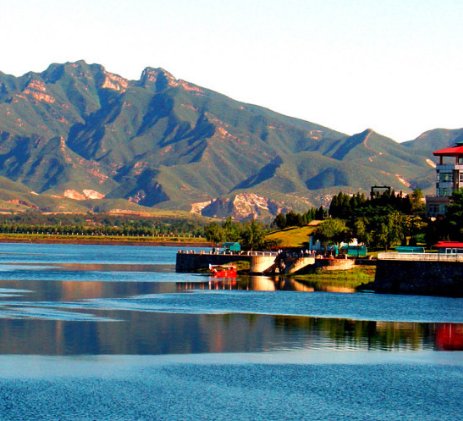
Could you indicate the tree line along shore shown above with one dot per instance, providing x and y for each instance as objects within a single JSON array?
[
  {"x": 382, "y": 221},
  {"x": 104, "y": 240}
]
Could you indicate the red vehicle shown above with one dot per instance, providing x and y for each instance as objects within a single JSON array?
[{"x": 223, "y": 271}]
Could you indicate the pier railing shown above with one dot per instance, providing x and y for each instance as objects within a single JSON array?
[
  {"x": 422, "y": 257},
  {"x": 243, "y": 253}
]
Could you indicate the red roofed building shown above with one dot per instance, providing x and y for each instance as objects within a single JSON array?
[
  {"x": 449, "y": 178},
  {"x": 449, "y": 247}
]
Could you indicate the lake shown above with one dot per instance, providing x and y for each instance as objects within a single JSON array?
[{"x": 114, "y": 333}]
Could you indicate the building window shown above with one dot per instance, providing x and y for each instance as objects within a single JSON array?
[{"x": 446, "y": 177}]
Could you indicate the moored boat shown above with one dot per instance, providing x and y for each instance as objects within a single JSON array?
[{"x": 223, "y": 271}]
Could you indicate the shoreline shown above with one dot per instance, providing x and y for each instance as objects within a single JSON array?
[{"x": 99, "y": 242}]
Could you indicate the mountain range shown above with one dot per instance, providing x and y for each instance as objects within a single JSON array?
[{"x": 77, "y": 137}]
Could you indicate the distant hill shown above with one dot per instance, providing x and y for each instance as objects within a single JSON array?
[
  {"x": 434, "y": 140},
  {"x": 77, "y": 136}
]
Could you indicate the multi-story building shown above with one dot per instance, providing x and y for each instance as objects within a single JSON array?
[{"x": 449, "y": 178}]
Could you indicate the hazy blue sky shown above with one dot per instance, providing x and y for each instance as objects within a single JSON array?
[{"x": 392, "y": 65}]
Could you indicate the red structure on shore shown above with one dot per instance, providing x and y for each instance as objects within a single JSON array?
[{"x": 449, "y": 178}]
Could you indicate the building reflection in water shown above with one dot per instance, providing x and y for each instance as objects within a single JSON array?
[
  {"x": 153, "y": 331},
  {"x": 261, "y": 283},
  {"x": 449, "y": 337},
  {"x": 146, "y": 333}
]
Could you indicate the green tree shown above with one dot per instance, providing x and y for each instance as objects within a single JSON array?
[
  {"x": 360, "y": 229},
  {"x": 334, "y": 206},
  {"x": 455, "y": 215},
  {"x": 309, "y": 216},
  {"x": 389, "y": 231},
  {"x": 417, "y": 201},
  {"x": 293, "y": 219},
  {"x": 280, "y": 221},
  {"x": 214, "y": 233},
  {"x": 321, "y": 213},
  {"x": 231, "y": 230},
  {"x": 412, "y": 225},
  {"x": 340, "y": 206},
  {"x": 332, "y": 230},
  {"x": 253, "y": 236}
]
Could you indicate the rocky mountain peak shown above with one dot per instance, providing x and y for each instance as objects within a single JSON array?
[
  {"x": 157, "y": 79},
  {"x": 164, "y": 142}
]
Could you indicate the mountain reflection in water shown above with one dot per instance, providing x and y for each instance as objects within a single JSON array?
[
  {"x": 145, "y": 332},
  {"x": 158, "y": 344},
  {"x": 148, "y": 330},
  {"x": 51, "y": 305}
]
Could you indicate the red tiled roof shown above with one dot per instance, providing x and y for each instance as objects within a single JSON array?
[
  {"x": 448, "y": 244},
  {"x": 453, "y": 151}
]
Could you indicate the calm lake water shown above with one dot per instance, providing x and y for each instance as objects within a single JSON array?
[{"x": 113, "y": 333}]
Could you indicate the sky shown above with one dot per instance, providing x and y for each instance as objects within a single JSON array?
[{"x": 395, "y": 66}]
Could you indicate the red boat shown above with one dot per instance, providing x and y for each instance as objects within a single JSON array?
[{"x": 223, "y": 271}]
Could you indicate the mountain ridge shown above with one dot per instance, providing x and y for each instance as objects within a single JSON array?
[{"x": 165, "y": 143}]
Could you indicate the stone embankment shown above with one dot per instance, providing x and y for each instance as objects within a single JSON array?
[{"x": 419, "y": 274}]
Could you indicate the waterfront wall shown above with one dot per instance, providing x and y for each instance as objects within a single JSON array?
[
  {"x": 260, "y": 262},
  {"x": 419, "y": 277},
  {"x": 191, "y": 262}
]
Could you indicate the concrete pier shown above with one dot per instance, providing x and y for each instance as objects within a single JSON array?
[
  {"x": 192, "y": 262},
  {"x": 262, "y": 263},
  {"x": 259, "y": 261},
  {"x": 296, "y": 264}
]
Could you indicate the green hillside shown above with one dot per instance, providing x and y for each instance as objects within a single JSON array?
[
  {"x": 293, "y": 237},
  {"x": 78, "y": 133},
  {"x": 434, "y": 140}
]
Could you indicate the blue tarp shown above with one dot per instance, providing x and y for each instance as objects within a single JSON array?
[
  {"x": 409, "y": 249},
  {"x": 355, "y": 251},
  {"x": 236, "y": 247}
]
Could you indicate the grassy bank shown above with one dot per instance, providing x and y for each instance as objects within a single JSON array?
[
  {"x": 352, "y": 278},
  {"x": 293, "y": 237}
]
